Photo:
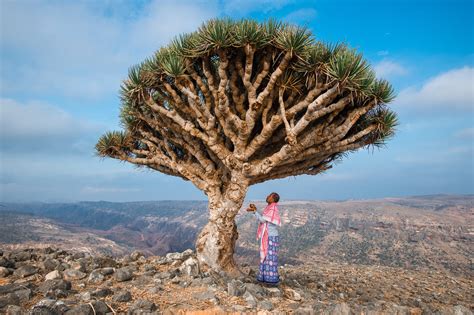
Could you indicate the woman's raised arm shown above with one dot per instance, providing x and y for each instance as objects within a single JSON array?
[{"x": 259, "y": 217}]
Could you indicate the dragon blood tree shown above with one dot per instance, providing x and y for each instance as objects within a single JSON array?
[{"x": 237, "y": 103}]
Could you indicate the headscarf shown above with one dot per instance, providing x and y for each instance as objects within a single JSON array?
[{"x": 270, "y": 214}]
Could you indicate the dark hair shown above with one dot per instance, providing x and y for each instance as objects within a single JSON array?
[{"x": 276, "y": 197}]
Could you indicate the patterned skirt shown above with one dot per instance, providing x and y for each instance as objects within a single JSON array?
[{"x": 268, "y": 269}]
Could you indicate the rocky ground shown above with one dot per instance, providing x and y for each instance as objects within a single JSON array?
[{"x": 56, "y": 281}]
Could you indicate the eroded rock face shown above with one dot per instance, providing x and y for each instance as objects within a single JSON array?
[{"x": 139, "y": 285}]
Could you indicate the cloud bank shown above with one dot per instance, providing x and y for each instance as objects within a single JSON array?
[{"x": 451, "y": 91}]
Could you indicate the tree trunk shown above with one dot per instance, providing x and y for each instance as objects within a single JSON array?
[{"x": 215, "y": 244}]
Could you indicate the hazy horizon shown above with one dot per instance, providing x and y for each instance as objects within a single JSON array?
[{"x": 246, "y": 199}]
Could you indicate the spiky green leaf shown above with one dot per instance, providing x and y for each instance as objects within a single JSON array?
[
  {"x": 294, "y": 38},
  {"x": 111, "y": 143}
]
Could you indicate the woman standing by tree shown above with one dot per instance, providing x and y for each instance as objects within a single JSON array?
[{"x": 269, "y": 240}]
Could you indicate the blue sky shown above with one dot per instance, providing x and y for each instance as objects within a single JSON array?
[{"x": 62, "y": 63}]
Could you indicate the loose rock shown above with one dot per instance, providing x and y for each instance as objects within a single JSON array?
[
  {"x": 266, "y": 305},
  {"x": 142, "y": 305},
  {"x": 122, "y": 296},
  {"x": 73, "y": 274},
  {"x": 4, "y": 272},
  {"x": 53, "y": 275},
  {"x": 54, "y": 284},
  {"x": 292, "y": 294},
  {"x": 96, "y": 276},
  {"x": 25, "y": 271},
  {"x": 82, "y": 309},
  {"x": 190, "y": 267},
  {"x": 235, "y": 288},
  {"x": 251, "y": 301},
  {"x": 123, "y": 274}
]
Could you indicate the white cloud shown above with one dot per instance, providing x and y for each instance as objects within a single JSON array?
[
  {"x": 466, "y": 133},
  {"x": 449, "y": 91},
  {"x": 302, "y": 16},
  {"x": 36, "y": 126},
  {"x": 78, "y": 49},
  {"x": 389, "y": 68},
  {"x": 37, "y": 118},
  {"x": 382, "y": 53}
]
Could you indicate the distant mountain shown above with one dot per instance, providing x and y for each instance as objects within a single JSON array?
[{"x": 434, "y": 231}]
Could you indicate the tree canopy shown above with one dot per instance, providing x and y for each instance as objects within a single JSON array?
[{"x": 266, "y": 100}]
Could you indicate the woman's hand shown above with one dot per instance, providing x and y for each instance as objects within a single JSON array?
[{"x": 252, "y": 208}]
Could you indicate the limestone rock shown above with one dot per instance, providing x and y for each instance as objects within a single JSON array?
[
  {"x": 54, "y": 284},
  {"x": 81, "y": 309},
  {"x": 101, "y": 292},
  {"x": 141, "y": 306},
  {"x": 275, "y": 292},
  {"x": 25, "y": 271},
  {"x": 50, "y": 264},
  {"x": 123, "y": 274},
  {"x": 206, "y": 295},
  {"x": 135, "y": 255},
  {"x": 292, "y": 294},
  {"x": 96, "y": 276},
  {"x": 53, "y": 275},
  {"x": 73, "y": 274},
  {"x": 107, "y": 271},
  {"x": 266, "y": 305},
  {"x": 4, "y": 272},
  {"x": 251, "y": 300},
  {"x": 122, "y": 296},
  {"x": 235, "y": 288},
  {"x": 190, "y": 267}
]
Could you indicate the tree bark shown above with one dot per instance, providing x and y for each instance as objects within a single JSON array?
[{"x": 215, "y": 244}]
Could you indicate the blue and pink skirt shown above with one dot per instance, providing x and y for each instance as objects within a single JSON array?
[{"x": 268, "y": 269}]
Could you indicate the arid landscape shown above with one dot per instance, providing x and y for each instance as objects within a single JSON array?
[
  {"x": 137, "y": 136},
  {"x": 408, "y": 255},
  {"x": 431, "y": 232}
]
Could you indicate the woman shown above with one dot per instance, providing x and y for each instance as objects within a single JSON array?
[{"x": 269, "y": 240}]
